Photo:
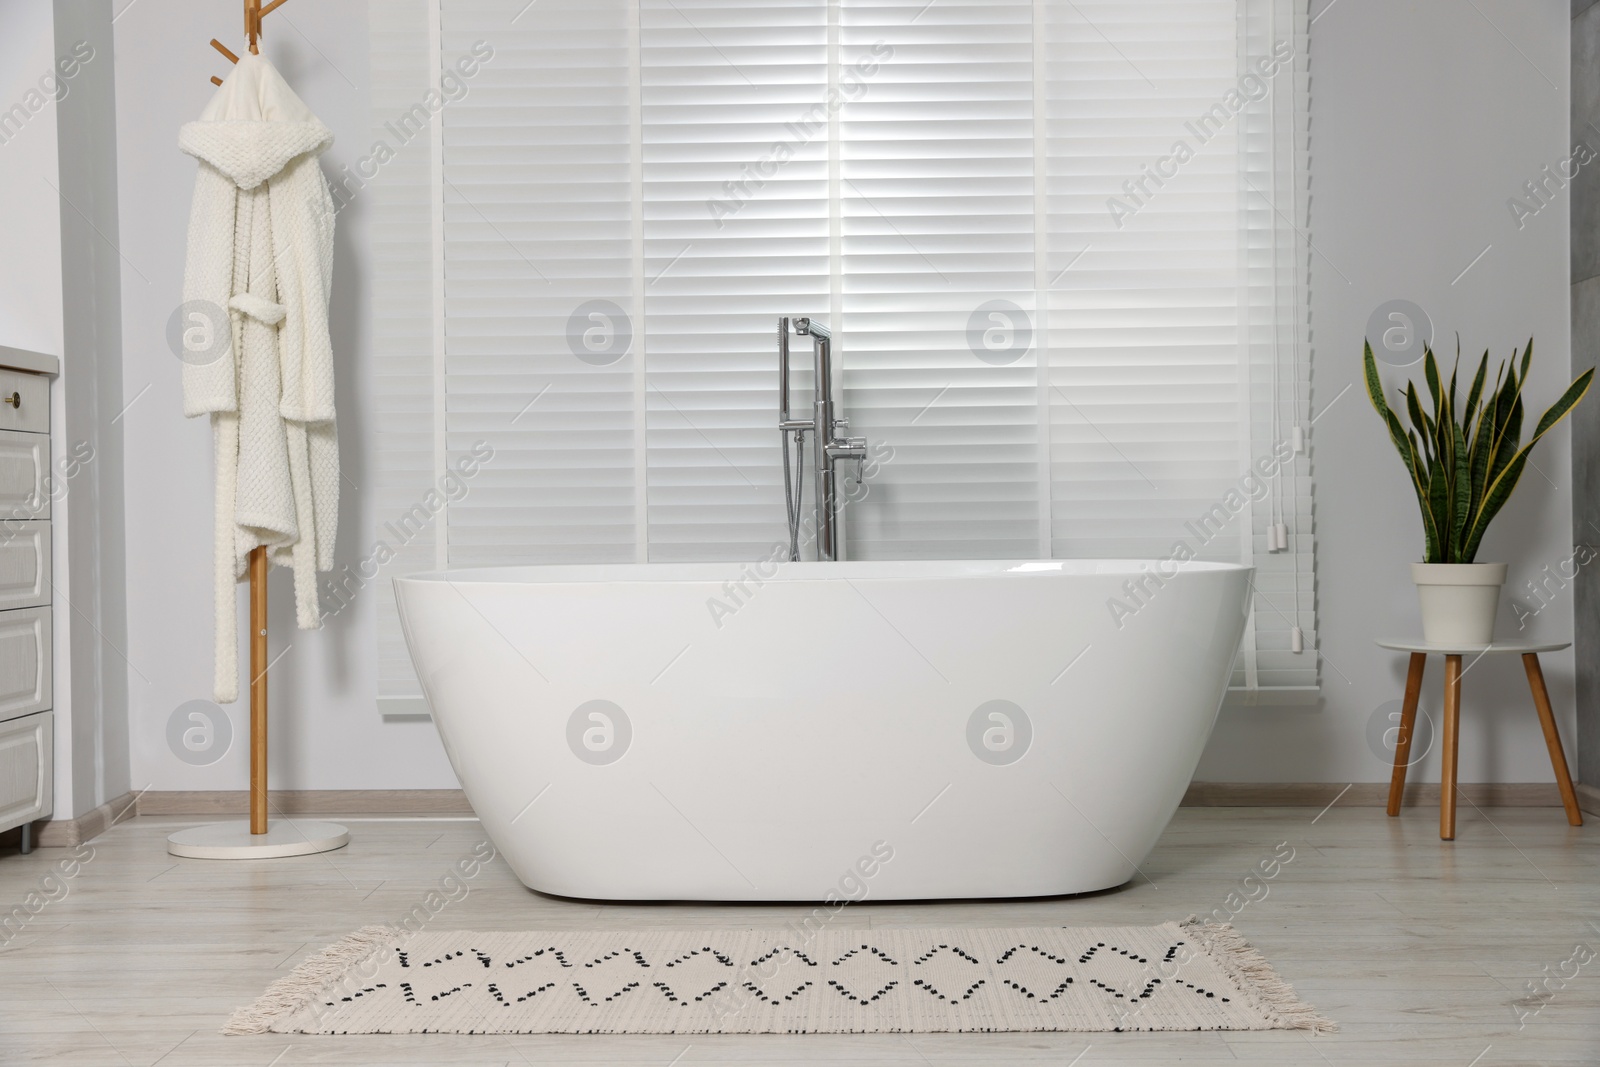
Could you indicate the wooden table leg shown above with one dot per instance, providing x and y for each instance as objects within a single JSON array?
[
  {"x": 1552, "y": 737},
  {"x": 1447, "y": 753},
  {"x": 1408, "y": 721}
]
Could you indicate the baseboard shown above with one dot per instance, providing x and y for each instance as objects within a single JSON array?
[
  {"x": 69, "y": 832},
  {"x": 65, "y": 833},
  {"x": 1588, "y": 798},
  {"x": 309, "y": 802},
  {"x": 1368, "y": 794}
]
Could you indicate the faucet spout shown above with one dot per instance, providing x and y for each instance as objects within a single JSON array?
[{"x": 813, "y": 328}]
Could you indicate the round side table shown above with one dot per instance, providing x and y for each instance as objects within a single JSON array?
[{"x": 1420, "y": 650}]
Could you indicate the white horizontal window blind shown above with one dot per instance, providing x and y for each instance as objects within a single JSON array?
[
  {"x": 539, "y": 283},
  {"x": 1063, "y": 247},
  {"x": 1274, "y": 134},
  {"x": 936, "y": 192},
  {"x": 1146, "y": 379},
  {"x": 1175, "y": 178},
  {"x": 734, "y": 215}
]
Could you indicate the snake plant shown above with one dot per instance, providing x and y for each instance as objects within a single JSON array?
[{"x": 1463, "y": 471}]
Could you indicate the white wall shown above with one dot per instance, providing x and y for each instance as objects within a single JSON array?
[
  {"x": 30, "y": 217},
  {"x": 1425, "y": 119},
  {"x": 326, "y": 731},
  {"x": 59, "y": 293}
]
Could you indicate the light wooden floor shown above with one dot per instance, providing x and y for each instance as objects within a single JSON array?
[{"x": 1419, "y": 949}]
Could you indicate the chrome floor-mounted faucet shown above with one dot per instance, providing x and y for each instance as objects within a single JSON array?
[{"x": 827, "y": 447}]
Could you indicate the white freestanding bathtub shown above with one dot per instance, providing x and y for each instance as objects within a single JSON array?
[{"x": 818, "y": 731}]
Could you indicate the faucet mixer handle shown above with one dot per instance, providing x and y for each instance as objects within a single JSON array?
[{"x": 848, "y": 448}]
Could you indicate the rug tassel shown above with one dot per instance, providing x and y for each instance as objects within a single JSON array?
[
  {"x": 1251, "y": 972},
  {"x": 290, "y": 995}
]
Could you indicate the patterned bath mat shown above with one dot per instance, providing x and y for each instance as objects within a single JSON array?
[{"x": 1176, "y": 976}]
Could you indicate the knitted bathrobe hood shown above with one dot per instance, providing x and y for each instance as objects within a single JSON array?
[{"x": 257, "y": 356}]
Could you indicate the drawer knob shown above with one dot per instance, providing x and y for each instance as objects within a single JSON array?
[{"x": 15, "y": 400}]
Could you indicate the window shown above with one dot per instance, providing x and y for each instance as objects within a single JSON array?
[{"x": 1063, "y": 246}]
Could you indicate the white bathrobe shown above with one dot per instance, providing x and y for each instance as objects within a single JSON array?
[{"x": 261, "y": 246}]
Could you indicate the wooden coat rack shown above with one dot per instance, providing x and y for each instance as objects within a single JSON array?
[
  {"x": 253, "y": 14},
  {"x": 264, "y": 841}
]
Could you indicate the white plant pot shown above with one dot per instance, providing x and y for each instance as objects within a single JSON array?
[{"x": 1459, "y": 601}]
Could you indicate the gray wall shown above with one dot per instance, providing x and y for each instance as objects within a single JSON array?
[{"x": 1585, "y": 345}]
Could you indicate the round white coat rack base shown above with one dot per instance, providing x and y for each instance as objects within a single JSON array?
[{"x": 234, "y": 841}]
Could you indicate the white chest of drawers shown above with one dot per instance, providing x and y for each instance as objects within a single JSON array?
[{"x": 27, "y": 489}]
